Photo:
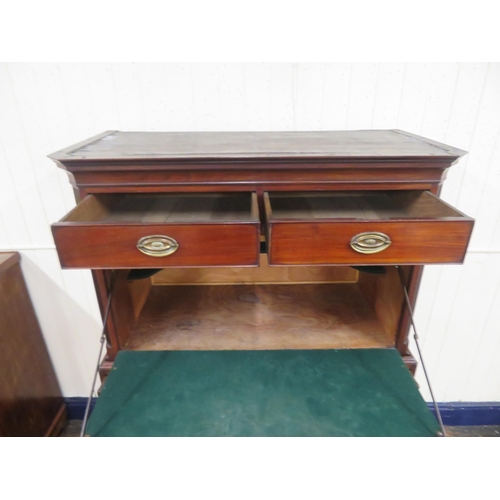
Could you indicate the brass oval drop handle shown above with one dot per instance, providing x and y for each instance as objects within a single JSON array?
[
  {"x": 370, "y": 242},
  {"x": 157, "y": 245}
]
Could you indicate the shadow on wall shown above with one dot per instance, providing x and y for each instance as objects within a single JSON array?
[{"x": 70, "y": 332}]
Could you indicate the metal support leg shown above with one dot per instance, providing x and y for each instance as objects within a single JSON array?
[
  {"x": 103, "y": 340},
  {"x": 415, "y": 337}
]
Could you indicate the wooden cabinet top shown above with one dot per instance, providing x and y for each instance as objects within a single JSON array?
[
  {"x": 254, "y": 146},
  {"x": 253, "y": 161}
]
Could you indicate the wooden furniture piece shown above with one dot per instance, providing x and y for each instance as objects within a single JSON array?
[
  {"x": 258, "y": 240},
  {"x": 31, "y": 403}
]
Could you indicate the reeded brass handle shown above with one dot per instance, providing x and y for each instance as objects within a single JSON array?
[
  {"x": 370, "y": 242},
  {"x": 157, "y": 245}
]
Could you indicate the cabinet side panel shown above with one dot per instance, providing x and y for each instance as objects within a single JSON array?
[{"x": 385, "y": 295}]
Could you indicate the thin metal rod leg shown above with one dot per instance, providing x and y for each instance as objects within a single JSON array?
[
  {"x": 103, "y": 340},
  {"x": 415, "y": 337}
]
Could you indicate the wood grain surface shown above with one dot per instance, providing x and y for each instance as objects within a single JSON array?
[
  {"x": 422, "y": 229},
  {"x": 171, "y": 208},
  {"x": 244, "y": 161},
  {"x": 115, "y": 247},
  {"x": 364, "y": 205},
  {"x": 139, "y": 291},
  {"x": 212, "y": 230},
  {"x": 328, "y": 243},
  {"x": 316, "y": 228},
  {"x": 255, "y": 275},
  {"x": 223, "y": 145},
  {"x": 384, "y": 293},
  {"x": 252, "y": 177},
  {"x": 31, "y": 402},
  {"x": 322, "y": 316}
]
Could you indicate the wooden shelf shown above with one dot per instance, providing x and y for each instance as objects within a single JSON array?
[{"x": 257, "y": 317}]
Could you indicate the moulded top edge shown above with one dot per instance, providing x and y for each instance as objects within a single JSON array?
[{"x": 320, "y": 145}]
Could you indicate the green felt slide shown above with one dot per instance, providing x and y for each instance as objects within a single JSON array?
[{"x": 355, "y": 392}]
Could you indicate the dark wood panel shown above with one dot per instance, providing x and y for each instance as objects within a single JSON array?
[
  {"x": 232, "y": 145},
  {"x": 410, "y": 363},
  {"x": 102, "y": 282},
  {"x": 328, "y": 243},
  {"x": 122, "y": 308},
  {"x": 114, "y": 247},
  {"x": 259, "y": 188},
  {"x": 31, "y": 403},
  {"x": 317, "y": 228},
  {"x": 411, "y": 277},
  {"x": 258, "y": 175},
  {"x": 211, "y": 230}
]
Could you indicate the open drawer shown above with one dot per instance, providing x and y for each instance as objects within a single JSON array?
[
  {"x": 364, "y": 228},
  {"x": 160, "y": 230}
]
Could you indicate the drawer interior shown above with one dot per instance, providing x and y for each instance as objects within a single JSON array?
[
  {"x": 364, "y": 228},
  {"x": 165, "y": 208},
  {"x": 358, "y": 205},
  {"x": 141, "y": 231}
]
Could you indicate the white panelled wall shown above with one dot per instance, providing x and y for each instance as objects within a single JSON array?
[{"x": 45, "y": 107}]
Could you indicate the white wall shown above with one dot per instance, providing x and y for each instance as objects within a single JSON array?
[{"x": 45, "y": 107}]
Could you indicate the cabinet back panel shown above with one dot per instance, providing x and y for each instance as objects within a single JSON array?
[
  {"x": 256, "y": 275},
  {"x": 257, "y": 317}
]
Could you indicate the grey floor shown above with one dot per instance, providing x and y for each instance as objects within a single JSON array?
[
  {"x": 73, "y": 428},
  {"x": 474, "y": 431}
]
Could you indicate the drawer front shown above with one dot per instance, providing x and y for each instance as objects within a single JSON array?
[
  {"x": 412, "y": 228},
  {"x": 330, "y": 243},
  {"x": 98, "y": 235}
]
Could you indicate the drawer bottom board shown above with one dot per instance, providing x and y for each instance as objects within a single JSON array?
[{"x": 361, "y": 392}]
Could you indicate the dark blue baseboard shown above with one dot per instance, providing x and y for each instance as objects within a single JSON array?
[
  {"x": 75, "y": 407},
  {"x": 469, "y": 413},
  {"x": 451, "y": 413}
]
